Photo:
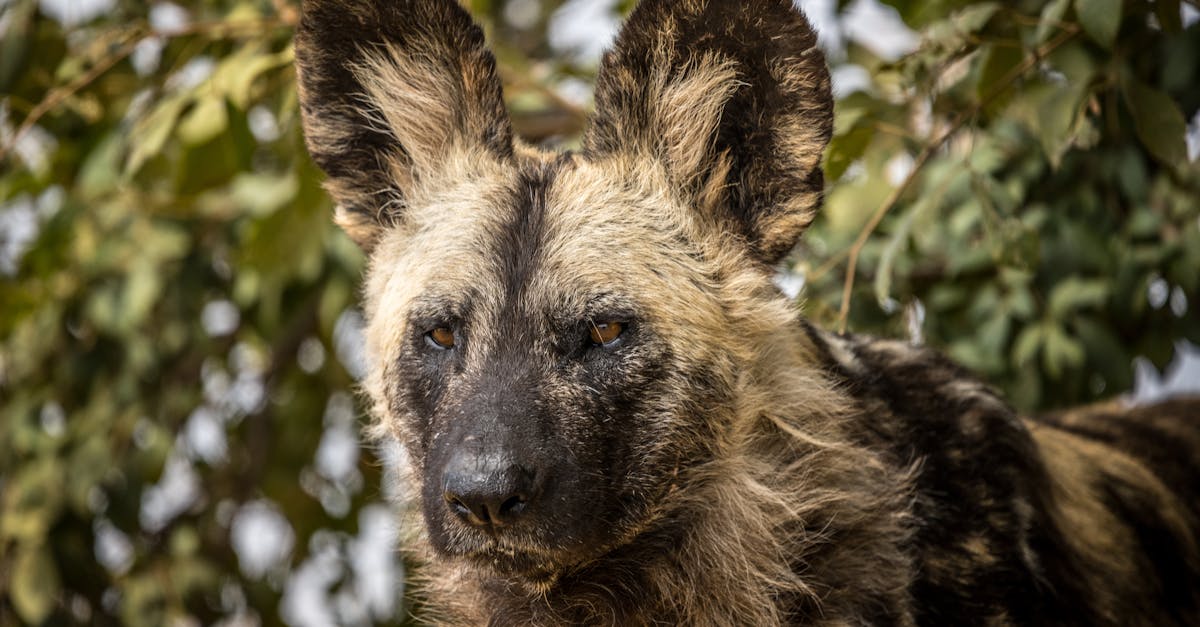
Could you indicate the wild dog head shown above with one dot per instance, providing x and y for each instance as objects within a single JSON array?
[{"x": 559, "y": 340}]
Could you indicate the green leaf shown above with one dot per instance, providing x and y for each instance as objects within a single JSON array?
[
  {"x": 1027, "y": 345},
  {"x": 998, "y": 62},
  {"x": 975, "y": 17},
  {"x": 1075, "y": 293},
  {"x": 1020, "y": 303},
  {"x": 141, "y": 291},
  {"x": 938, "y": 179},
  {"x": 845, "y": 149},
  {"x": 994, "y": 332},
  {"x": 16, "y": 40},
  {"x": 1159, "y": 123},
  {"x": 86, "y": 467},
  {"x": 262, "y": 194},
  {"x": 1076, "y": 62},
  {"x": 235, "y": 78},
  {"x": 151, "y": 133},
  {"x": 1026, "y": 390},
  {"x": 143, "y": 601},
  {"x": 984, "y": 351},
  {"x": 883, "y": 276},
  {"x": 164, "y": 241},
  {"x": 1060, "y": 351},
  {"x": 1100, "y": 19},
  {"x": 32, "y": 501},
  {"x": 184, "y": 542},
  {"x": 1052, "y": 113},
  {"x": 1107, "y": 355},
  {"x": 1052, "y": 15},
  {"x": 101, "y": 170},
  {"x": 205, "y": 121},
  {"x": 846, "y": 113},
  {"x": 1144, "y": 222},
  {"x": 35, "y": 583}
]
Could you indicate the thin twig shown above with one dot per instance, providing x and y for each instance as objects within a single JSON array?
[
  {"x": 892, "y": 129},
  {"x": 955, "y": 125},
  {"x": 131, "y": 36},
  {"x": 512, "y": 78},
  {"x": 57, "y": 96},
  {"x": 827, "y": 266}
]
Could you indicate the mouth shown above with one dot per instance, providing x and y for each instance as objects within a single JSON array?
[
  {"x": 539, "y": 556},
  {"x": 531, "y": 569},
  {"x": 539, "y": 569}
]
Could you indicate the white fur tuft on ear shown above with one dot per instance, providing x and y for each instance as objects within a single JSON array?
[{"x": 690, "y": 110}]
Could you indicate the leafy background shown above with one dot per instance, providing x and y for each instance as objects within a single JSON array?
[{"x": 179, "y": 441}]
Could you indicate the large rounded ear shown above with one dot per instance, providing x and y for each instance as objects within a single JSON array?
[
  {"x": 390, "y": 92},
  {"x": 733, "y": 97}
]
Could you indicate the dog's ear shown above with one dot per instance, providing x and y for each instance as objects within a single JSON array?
[
  {"x": 733, "y": 97},
  {"x": 390, "y": 92}
]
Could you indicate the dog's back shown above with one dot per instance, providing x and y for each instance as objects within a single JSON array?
[
  {"x": 1125, "y": 483},
  {"x": 1087, "y": 517}
]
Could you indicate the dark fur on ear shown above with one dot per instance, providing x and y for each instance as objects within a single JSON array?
[
  {"x": 388, "y": 89},
  {"x": 734, "y": 98}
]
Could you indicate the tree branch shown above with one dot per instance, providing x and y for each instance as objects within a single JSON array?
[
  {"x": 130, "y": 38},
  {"x": 1069, "y": 32}
]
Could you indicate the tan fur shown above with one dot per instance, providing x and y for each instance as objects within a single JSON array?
[
  {"x": 736, "y": 545},
  {"x": 764, "y": 473},
  {"x": 1101, "y": 538},
  {"x": 447, "y": 220}
]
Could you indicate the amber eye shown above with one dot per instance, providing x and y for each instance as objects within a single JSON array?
[
  {"x": 441, "y": 337},
  {"x": 606, "y": 332}
]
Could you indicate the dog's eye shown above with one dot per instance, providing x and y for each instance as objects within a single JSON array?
[
  {"x": 606, "y": 332},
  {"x": 441, "y": 337}
]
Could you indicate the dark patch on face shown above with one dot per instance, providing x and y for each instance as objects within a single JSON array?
[
  {"x": 419, "y": 377},
  {"x": 423, "y": 372},
  {"x": 519, "y": 243}
]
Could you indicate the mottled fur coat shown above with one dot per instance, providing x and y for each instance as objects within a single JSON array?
[{"x": 611, "y": 416}]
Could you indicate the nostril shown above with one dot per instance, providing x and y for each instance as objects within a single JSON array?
[
  {"x": 473, "y": 511},
  {"x": 457, "y": 506},
  {"x": 513, "y": 505}
]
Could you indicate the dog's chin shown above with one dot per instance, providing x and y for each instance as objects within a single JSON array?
[
  {"x": 536, "y": 558},
  {"x": 539, "y": 569},
  {"x": 531, "y": 570},
  {"x": 535, "y": 568}
]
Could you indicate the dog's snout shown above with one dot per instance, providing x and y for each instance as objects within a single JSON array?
[{"x": 488, "y": 490}]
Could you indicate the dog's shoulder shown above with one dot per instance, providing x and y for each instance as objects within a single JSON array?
[
  {"x": 1029, "y": 519},
  {"x": 912, "y": 395}
]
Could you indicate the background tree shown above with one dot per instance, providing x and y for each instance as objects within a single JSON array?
[{"x": 178, "y": 340}]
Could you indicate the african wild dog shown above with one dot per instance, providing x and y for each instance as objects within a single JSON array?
[{"x": 611, "y": 415}]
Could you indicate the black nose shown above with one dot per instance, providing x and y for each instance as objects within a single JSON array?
[{"x": 488, "y": 490}]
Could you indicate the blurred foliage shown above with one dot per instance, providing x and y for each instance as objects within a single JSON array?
[
  {"x": 174, "y": 311},
  {"x": 176, "y": 307},
  {"x": 1050, "y": 231}
]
